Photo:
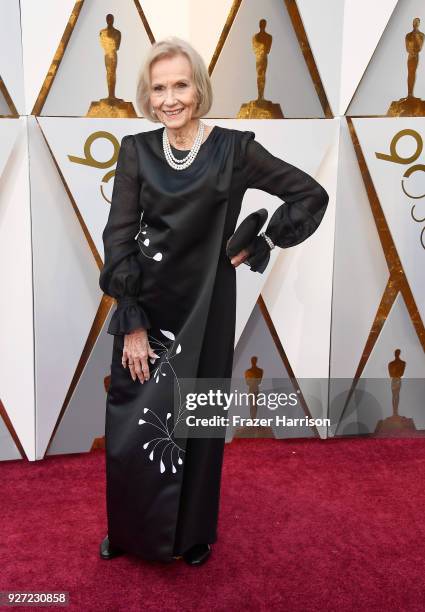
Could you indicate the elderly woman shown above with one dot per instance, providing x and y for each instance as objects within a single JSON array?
[{"x": 176, "y": 199}]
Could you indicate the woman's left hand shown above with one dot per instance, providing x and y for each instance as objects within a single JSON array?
[{"x": 239, "y": 258}]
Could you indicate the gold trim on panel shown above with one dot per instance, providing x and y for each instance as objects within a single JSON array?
[
  {"x": 225, "y": 32},
  {"x": 144, "y": 21},
  {"x": 285, "y": 361},
  {"x": 301, "y": 34},
  {"x": 11, "y": 430},
  {"x": 8, "y": 99},
  {"x": 98, "y": 444},
  {"x": 54, "y": 66}
]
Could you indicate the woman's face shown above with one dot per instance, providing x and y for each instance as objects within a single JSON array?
[{"x": 172, "y": 89}]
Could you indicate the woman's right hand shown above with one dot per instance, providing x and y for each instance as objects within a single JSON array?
[{"x": 136, "y": 353}]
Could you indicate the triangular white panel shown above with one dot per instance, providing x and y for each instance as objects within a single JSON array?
[
  {"x": 84, "y": 417},
  {"x": 8, "y": 448},
  {"x": 325, "y": 36},
  {"x": 16, "y": 305},
  {"x": 288, "y": 81},
  {"x": 298, "y": 290},
  {"x": 360, "y": 269},
  {"x": 11, "y": 68},
  {"x": 9, "y": 132},
  {"x": 43, "y": 26},
  {"x": 215, "y": 14},
  {"x": 373, "y": 397},
  {"x": 385, "y": 78},
  {"x": 257, "y": 341},
  {"x": 364, "y": 23},
  {"x": 177, "y": 18},
  {"x": 398, "y": 333}
]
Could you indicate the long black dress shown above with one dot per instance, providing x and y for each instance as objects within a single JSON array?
[{"x": 177, "y": 282}]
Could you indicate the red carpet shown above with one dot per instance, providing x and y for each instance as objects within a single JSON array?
[{"x": 304, "y": 525}]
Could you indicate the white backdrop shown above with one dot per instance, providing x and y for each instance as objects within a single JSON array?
[{"x": 322, "y": 296}]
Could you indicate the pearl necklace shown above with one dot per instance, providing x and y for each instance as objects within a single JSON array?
[{"x": 181, "y": 164}]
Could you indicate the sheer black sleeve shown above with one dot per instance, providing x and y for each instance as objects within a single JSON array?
[
  {"x": 122, "y": 272},
  {"x": 305, "y": 200}
]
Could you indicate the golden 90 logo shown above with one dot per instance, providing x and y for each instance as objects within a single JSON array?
[
  {"x": 89, "y": 160},
  {"x": 395, "y": 158}
]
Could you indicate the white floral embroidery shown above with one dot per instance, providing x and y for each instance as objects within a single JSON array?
[
  {"x": 145, "y": 242},
  {"x": 165, "y": 441}
]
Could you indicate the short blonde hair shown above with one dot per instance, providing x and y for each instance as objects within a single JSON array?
[{"x": 169, "y": 47}]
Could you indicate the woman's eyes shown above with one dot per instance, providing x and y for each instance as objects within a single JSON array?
[{"x": 159, "y": 87}]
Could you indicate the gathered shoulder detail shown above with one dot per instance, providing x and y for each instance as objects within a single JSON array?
[{"x": 243, "y": 138}]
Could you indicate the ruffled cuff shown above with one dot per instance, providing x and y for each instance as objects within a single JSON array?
[
  {"x": 128, "y": 316},
  {"x": 259, "y": 254}
]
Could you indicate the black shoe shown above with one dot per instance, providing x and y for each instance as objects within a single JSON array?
[
  {"x": 198, "y": 554},
  {"x": 108, "y": 551}
]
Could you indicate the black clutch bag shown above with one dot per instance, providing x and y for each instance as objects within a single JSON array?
[
  {"x": 246, "y": 231},
  {"x": 246, "y": 236}
]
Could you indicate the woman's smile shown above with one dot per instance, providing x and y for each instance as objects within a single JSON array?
[{"x": 173, "y": 112}]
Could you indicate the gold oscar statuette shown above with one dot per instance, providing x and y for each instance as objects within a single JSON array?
[
  {"x": 110, "y": 39},
  {"x": 253, "y": 378},
  {"x": 261, "y": 108},
  {"x": 410, "y": 106},
  {"x": 395, "y": 423}
]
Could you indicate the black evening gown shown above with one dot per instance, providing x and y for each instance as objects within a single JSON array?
[{"x": 162, "y": 492}]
